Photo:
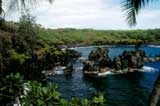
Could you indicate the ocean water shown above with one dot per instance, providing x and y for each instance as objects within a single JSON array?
[{"x": 132, "y": 89}]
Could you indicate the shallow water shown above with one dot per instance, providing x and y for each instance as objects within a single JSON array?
[{"x": 120, "y": 90}]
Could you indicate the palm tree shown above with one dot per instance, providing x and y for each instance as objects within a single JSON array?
[
  {"x": 132, "y": 8},
  {"x": 1, "y": 10},
  {"x": 155, "y": 96},
  {"x": 18, "y": 4}
]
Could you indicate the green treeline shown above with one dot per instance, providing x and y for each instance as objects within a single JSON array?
[{"x": 100, "y": 37}]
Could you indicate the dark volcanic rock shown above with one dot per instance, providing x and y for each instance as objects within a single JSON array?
[{"x": 98, "y": 59}]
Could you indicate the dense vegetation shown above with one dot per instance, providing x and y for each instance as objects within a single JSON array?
[
  {"x": 28, "y": 49},
  {"x": 14, "y": 89},
  {"x": 23, "y": 57},
  {"x": 10, "y": 54},
  {"x": 23, "y": 51},
  {"x": 100, "y": 37}
]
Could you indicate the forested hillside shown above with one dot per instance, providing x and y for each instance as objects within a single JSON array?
[
  {"x": 92, "y": 36},
  {"x": 98, "y": 37}
]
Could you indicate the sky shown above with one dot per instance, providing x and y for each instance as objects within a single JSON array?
[{"x": 92, "y": 14}]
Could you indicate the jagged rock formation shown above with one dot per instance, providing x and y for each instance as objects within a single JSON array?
[
  {"x": 100, "y": 57},
  {"x": 129, "y": 59},
  {"x": 100, "y": 61}
]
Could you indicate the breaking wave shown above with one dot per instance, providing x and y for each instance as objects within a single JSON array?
[{"x": 149, "y": 69}]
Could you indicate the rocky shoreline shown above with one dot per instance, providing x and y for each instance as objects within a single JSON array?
[
  {"x": 99, "y": 63},
  {"x": 107, "y": 45}
]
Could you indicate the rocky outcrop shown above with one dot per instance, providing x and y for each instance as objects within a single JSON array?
[
  {"x": 129, "y": 59},
  {"x": 99, "y": 60}
]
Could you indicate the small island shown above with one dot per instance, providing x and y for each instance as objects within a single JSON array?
[{"x": 99, "y": 64}]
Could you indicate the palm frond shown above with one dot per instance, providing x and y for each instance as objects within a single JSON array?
[
  {"x": 1, "y": 9},
  {"x": 132, "y": 7},
  {"x": 21, "y": 5},
  {"x": 12, "y": 5}
]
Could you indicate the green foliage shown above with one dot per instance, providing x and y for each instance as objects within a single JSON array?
[
  {"x": 25, "y": 52},
  {"x": 38, "y": 95},
  {"x": 99, "y": 37},
  {"x": 28, "y": 29},
  {"x": 11, "y": 88},
  {"x": 7, "y": 26},
  {"x": 18, "y": 57},
  {"x": 98, "y": 100},
  {"x": 17, "y": 49}
]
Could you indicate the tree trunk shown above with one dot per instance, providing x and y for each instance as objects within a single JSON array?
[{"x": 155, "y": 93}]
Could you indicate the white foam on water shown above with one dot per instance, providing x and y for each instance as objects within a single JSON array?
[
  {"x": 106, "y": 73},
  {"x": 148, "y": 69},
  {"x": 78, "y": 68},
  {"x": 144, "y": 69},
  {"x": 90, "y": 46},
  {"x": 157, "y": 46},
  {"x": 59, "y": 72}
]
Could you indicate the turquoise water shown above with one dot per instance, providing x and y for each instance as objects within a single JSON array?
[{"x": 119, "y": 90}]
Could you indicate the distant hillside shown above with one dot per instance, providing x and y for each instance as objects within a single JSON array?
[
  {"x": 91, "y": 36},
  {"x": 98, "y": 37}
]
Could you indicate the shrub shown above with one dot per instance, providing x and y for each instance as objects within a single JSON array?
[{"x": 11, "y": 88}]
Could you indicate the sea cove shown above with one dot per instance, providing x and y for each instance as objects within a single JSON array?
[
  {"x": 79, "y": 53},
  {"x": 131, "y": 89}
]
